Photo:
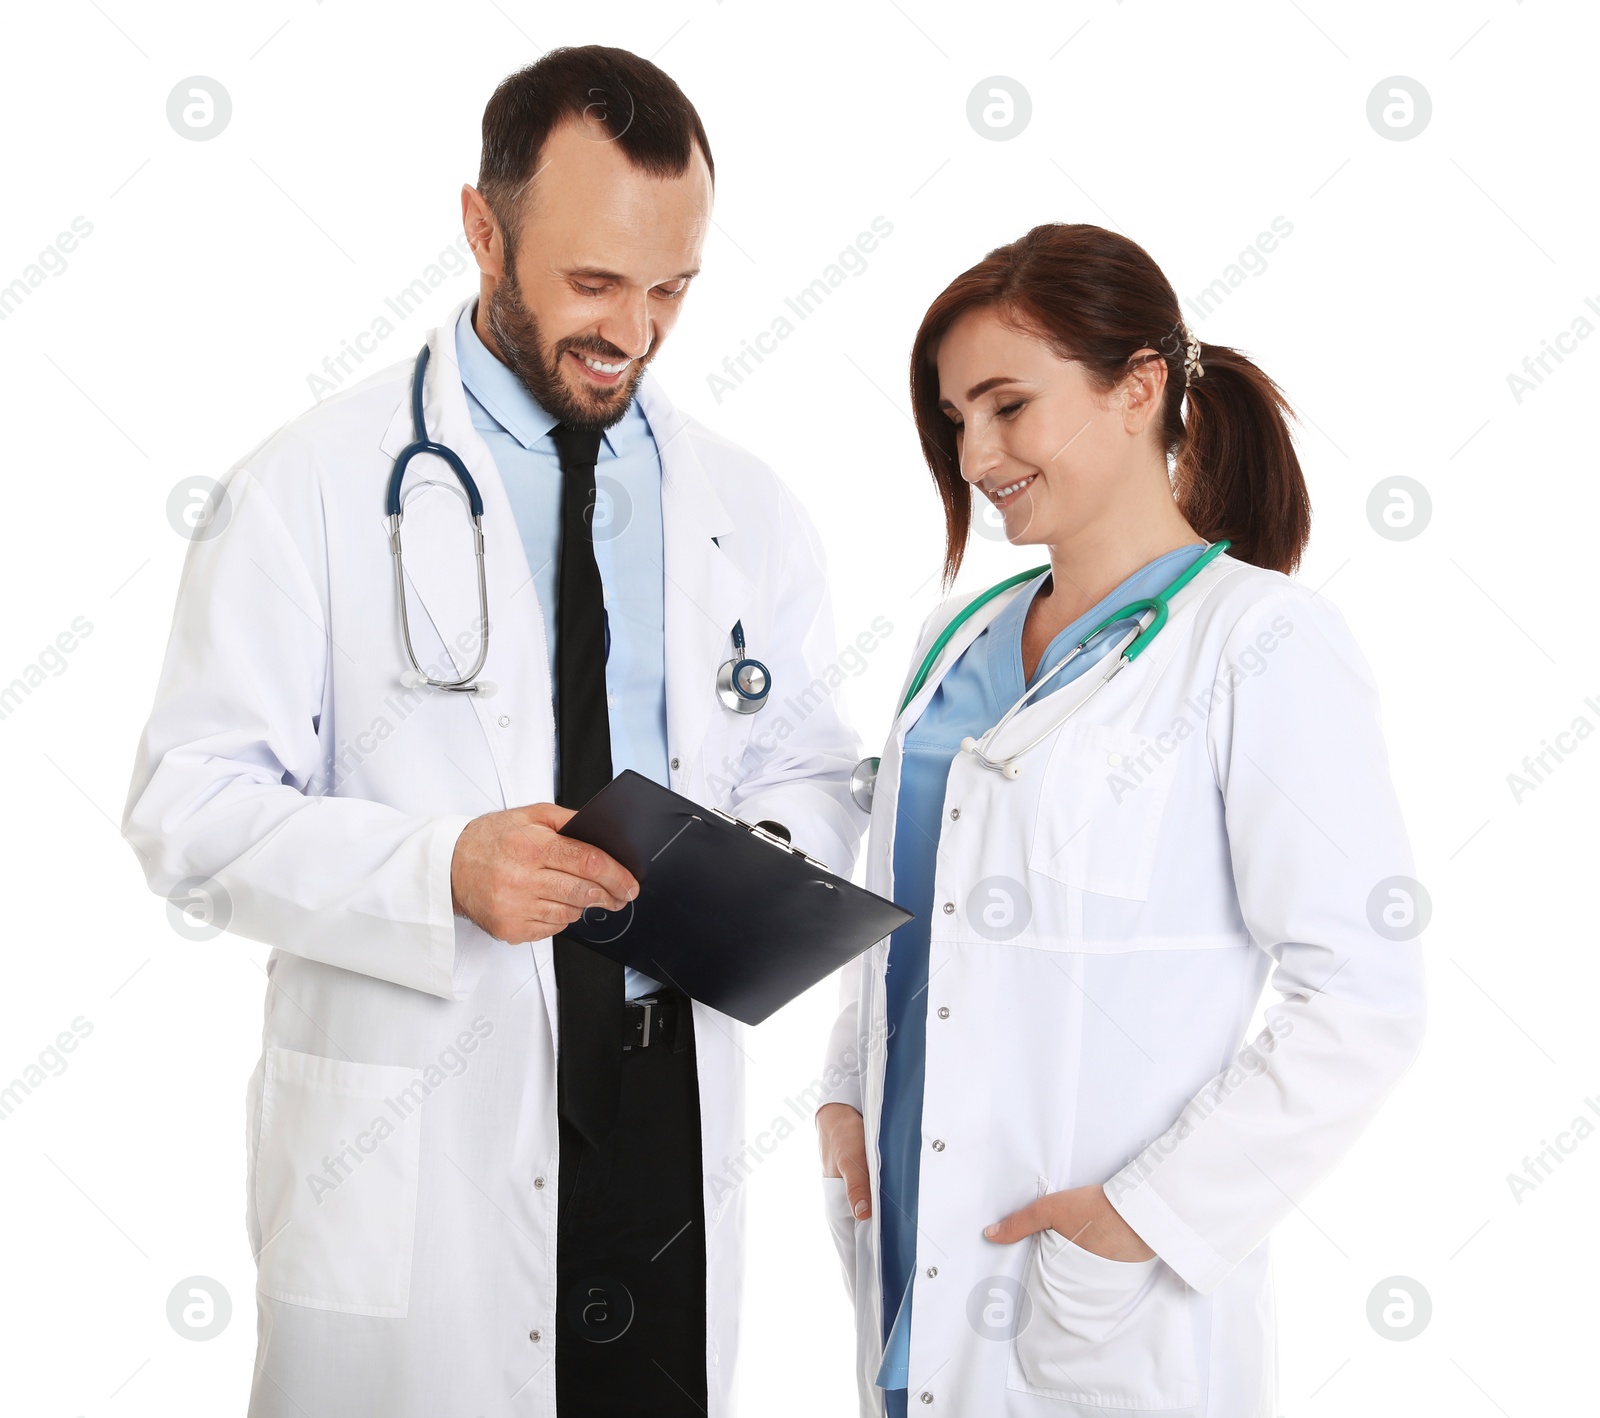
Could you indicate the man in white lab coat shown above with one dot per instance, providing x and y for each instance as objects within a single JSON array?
[{"x": 446, "y": 1221}]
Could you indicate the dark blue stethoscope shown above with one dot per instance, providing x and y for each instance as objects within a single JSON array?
[
  {"x": 743, "y": 684},
  {"x": 416, "y": 677}
]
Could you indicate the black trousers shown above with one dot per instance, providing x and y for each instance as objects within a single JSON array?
[{"x": 631, "y": 1247}]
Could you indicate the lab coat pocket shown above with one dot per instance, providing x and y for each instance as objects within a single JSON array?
[
  {"x": 1100, "y": 810},
  {"x": 1106, "y": 1334},
  {"x": 335, "y": 1181}
]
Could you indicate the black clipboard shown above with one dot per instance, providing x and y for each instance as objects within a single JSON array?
[{"x": 728, "y": 913}]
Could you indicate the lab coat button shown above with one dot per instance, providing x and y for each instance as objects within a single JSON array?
[
  {"x": 538, "y": 1184},
  {"x": 944, "y": 1011},
  {"x": 925, "y": 1396},
  {"x": 949, "y": 908},
  {"x": 955, "y": 814},
  {"x": 674, "y": 765},
  {"x": 938, "y": 1144},
  {"x": 505, "y": 721},
  {"x": 933, "y": 1270},
  {"x": 533, "y": 1335}
]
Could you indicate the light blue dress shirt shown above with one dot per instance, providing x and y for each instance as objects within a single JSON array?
[
  {"x": 627, "y": 547},
  {"x": 973, "y": 695}
]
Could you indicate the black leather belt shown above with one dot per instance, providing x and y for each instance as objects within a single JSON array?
[{"x": 656, "y": 1021}]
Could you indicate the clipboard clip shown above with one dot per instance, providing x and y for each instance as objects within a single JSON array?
[
  {"x": 760, "y": 831},
  {"x": 755, "y": 829}
]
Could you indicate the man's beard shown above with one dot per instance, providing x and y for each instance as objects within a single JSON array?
[{"x": 522, "y": 349}]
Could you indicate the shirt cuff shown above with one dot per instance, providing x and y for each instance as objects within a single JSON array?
[{"x": 459, "y": 950}]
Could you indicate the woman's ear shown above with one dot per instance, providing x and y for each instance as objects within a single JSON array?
[{"x": 1142, "y": 390}]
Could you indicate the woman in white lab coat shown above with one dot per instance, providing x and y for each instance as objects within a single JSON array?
[{"x": 1056, "y": 1161}]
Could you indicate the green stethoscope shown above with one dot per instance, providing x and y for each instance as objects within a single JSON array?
[{"x": 1150, "y": 616}]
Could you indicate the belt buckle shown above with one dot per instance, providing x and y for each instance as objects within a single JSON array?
[{"x": 648, "y": 1005}]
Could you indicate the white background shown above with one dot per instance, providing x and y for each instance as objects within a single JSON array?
[{"x": 1418, "y": 275}]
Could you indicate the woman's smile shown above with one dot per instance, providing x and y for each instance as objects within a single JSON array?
[{"x": 1004, "y": 496}]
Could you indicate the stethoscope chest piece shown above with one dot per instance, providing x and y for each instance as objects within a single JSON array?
[
  {"x": 863, "y": 782},
  {"x": 743, "y": 684}
]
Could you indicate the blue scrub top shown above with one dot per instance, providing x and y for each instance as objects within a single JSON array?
[{"x": 973, "y": 695}]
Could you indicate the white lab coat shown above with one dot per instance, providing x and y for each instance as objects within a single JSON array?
[
  {"x": 1219, "y": 815},
  {"x": 284, "y": 760}
]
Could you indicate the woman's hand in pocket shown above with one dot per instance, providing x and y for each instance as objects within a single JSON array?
[
  {"x": 842, "y": 1140},
  {"x": 1083, "y": 1216}
]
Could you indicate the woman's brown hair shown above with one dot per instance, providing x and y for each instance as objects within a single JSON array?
[{"x": 1097, "y": 298}]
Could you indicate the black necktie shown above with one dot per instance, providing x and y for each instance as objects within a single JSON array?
[{"x": 589, "y": 1075}]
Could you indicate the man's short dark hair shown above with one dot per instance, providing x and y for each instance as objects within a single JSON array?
[{"x": 637, "y": 104}]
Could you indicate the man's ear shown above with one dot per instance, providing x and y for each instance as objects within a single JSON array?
[{"x": 483, "y": 233}]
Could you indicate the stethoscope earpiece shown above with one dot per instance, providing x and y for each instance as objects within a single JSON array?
[{"x": 743, "y": 684}]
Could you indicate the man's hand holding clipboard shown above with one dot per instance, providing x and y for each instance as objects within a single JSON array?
[{"x": 727, "y": 912}]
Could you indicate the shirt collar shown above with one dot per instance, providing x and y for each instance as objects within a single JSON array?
[
  {"x": 506, "y": 399},
  {"x": 1006, "y": 628}
]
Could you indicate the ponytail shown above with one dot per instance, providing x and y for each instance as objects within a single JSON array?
[{"x": 1237, "y": 475}]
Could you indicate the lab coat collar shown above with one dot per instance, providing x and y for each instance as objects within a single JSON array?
[
  {"x": 683, "y": 475},
  {"x": 705, "y": 591},
  {"x": 977, "y": 623},
  {"x": 444, "y": 402},
  {"x": 886, "y": 794}
]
